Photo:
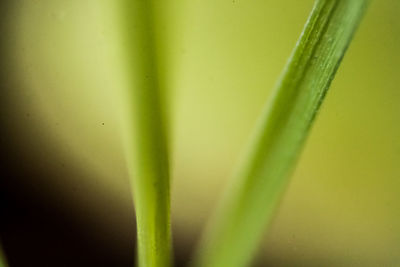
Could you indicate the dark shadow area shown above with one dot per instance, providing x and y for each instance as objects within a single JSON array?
[{"x": 37, "y": 227}]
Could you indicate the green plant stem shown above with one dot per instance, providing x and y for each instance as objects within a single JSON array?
[
  {"x": 236, "y": 230},
  {"x": 147, "y": 149}
]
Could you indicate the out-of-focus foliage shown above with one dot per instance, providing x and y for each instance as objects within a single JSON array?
[{"x": 219, "y": 61}]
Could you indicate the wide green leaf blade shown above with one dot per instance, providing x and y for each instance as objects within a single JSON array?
[{"x": 249, "y": 204}]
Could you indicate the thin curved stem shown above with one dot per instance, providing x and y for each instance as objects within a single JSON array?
[{"x": 147, "y": 146}]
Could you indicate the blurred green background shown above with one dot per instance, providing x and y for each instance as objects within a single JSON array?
[{"x": 219, "y": 60}]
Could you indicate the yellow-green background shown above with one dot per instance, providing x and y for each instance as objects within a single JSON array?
[{"x": 219, "y": 60}]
